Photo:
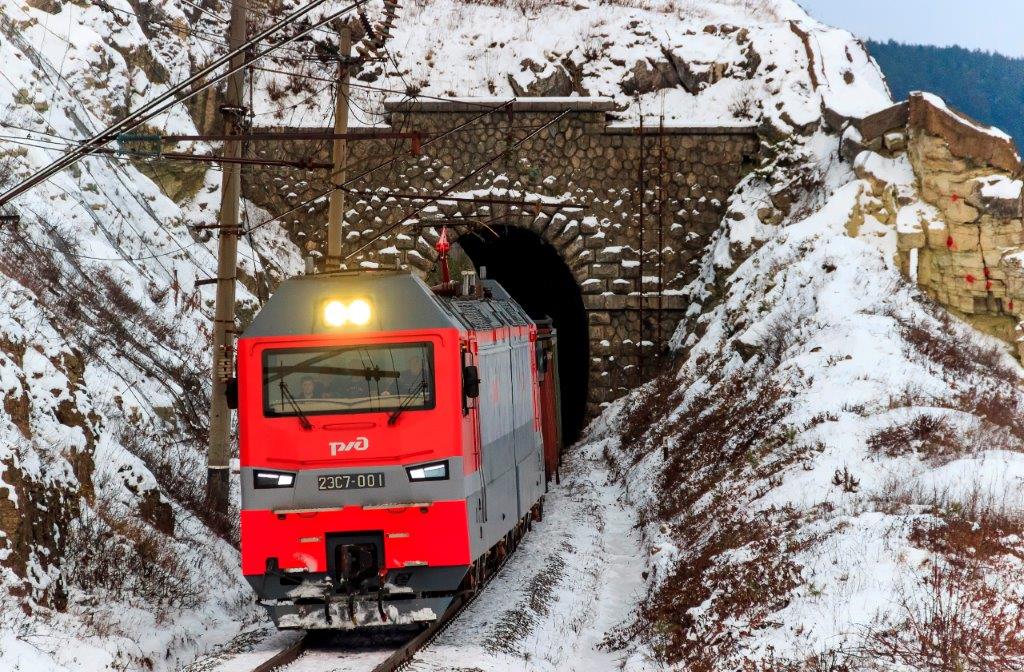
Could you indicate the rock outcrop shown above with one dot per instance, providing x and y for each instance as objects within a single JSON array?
[{"x": 958, "y": 216}]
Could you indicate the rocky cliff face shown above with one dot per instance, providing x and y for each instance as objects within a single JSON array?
[{"x": 957, "y": 210}]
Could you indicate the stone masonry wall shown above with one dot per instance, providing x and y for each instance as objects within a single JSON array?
[{"x": 581, "y": 158}]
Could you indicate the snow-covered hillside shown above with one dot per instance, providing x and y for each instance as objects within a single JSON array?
[
  {"x": 106, "y": 562},
  {"x": 691, "y": 62},
  {"x": 831, "y": 480},
  {"x": 833, "y": 454}
]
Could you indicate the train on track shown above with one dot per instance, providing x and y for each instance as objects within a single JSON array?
[{"x": 395, "y": 443}]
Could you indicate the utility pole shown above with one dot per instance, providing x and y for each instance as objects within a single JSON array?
[
  {"x": 227, "y": 264},
  {"x": 642, "y": 189},
  {"x": 339, "y": 153}
]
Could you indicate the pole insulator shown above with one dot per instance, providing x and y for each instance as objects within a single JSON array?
[{"x": 443, "y": 247}]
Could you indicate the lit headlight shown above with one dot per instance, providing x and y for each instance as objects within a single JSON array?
[
  {"x": 263, "y": 480},
  {"x": 436, "y": 471},
  {"x": 335, "y": 313},
  {"x": 359, "y": 312},
  {"x": 338, "y": 313}
]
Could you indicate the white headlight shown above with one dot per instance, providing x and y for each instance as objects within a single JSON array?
[
  {"x": 335, "y": 314},
  {"x": 359, "y": 312},
  {"x": 428, "y": 472},
  {"x": 272, "y": 479}
]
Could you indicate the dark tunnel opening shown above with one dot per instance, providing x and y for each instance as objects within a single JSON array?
[{"x": 534, "y": 273}]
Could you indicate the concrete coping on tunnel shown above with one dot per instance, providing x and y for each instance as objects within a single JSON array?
[
  {"x": 713, "y": 128},
  {"x": 553, "y": 104}
]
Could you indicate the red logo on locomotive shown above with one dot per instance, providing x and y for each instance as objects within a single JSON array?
[{"x": 361, "y": 443}]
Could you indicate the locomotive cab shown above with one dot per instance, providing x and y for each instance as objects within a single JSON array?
[{"x": 390, "y": 439}]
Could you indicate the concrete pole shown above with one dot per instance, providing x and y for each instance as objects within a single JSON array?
[
  {"x": 339, "y": 154},
  {"x": 227, "y": 264}
]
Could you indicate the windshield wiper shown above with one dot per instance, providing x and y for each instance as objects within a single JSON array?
[
  {"x": 420, "y": 387},
  {"x": 303, "y": 420}
]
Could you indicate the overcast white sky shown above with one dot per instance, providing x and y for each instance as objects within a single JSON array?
[{"x": 993, "y": 25}]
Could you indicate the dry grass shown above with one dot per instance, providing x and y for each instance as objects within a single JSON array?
[
  {"x": 714, "y": 447},
  {"x": 180, "y": 472},
  {"x": 728, "y": 430},
  {"x": 117, "y": 556},
  {"x": 940, "y": 339},
  {"x": 735, "y": 596},
  {"x": 955, "y": 622},
  {"x": 927, "y": 435},
  {"x": 647, "y": 408}
]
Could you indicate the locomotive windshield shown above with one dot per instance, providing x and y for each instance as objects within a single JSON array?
[{"x": 360, "y": 379}]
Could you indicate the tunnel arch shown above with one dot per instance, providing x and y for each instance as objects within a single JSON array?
[{"x": 536, "y": 275}]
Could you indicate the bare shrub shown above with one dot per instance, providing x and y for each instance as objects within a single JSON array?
[
  {"x": 722, "y": 440},
  {"x": 744, "y": 106},
  {"x": 942, "y": 344},
  {"x": 956, "y": 622},
  {"x": 723, "y": 431},
  {"x": 998, "y": 407},
  {"x": 7, "y": 166},
  {"x": 779, "y": 334},
  {"x": 179, "y": 470},
  {"x": 846, "y": 480},
  {"x": 926, "y": 434},
  {"x": 744, "y": 591},
  {"x": 649, "y": 406},
  {"x": 115, "y": 555}
]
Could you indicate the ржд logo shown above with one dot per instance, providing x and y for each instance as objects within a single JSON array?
[{"x": 360, "y": 443}]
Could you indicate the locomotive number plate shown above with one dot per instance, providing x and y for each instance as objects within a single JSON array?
[{"x": 350, "y": 481}]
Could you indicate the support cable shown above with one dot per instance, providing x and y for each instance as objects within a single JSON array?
[
  {"x": 166, "y": 100},
  {"x": 383, "y": 164}
]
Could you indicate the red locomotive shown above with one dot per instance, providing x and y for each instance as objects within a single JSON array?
[{"x": 392, "y": 444}]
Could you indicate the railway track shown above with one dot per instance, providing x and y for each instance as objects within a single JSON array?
[
  {"x": 321, "y": 657},
  {"x": 311, "y": 653},
  {"x": 332, "y": 657}
]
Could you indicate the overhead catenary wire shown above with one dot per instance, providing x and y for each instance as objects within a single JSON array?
[
  {"x": 117, "y": 161},
  {"x": 383, "y": 164},
  {"x": 79, "y": 255},
  {"x": 211, "y": 38},
  {"x": 168, "y": 99},
  {"x": 119, "y": 213}
]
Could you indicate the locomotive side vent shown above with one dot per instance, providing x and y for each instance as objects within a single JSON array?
[{"x": 354, "y": 561}]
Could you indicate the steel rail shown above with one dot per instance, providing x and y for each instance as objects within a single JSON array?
[
  {"x": 408, "y": 651},
  {"x": 285, "y": 656},
  {"x": 405, "y": 654}
]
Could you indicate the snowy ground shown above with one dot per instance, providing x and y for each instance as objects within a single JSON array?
[
  {"x": 576, "y": 576},
  {"x": 832, "y": 475},
  {"x": 722, "y": 61}
]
